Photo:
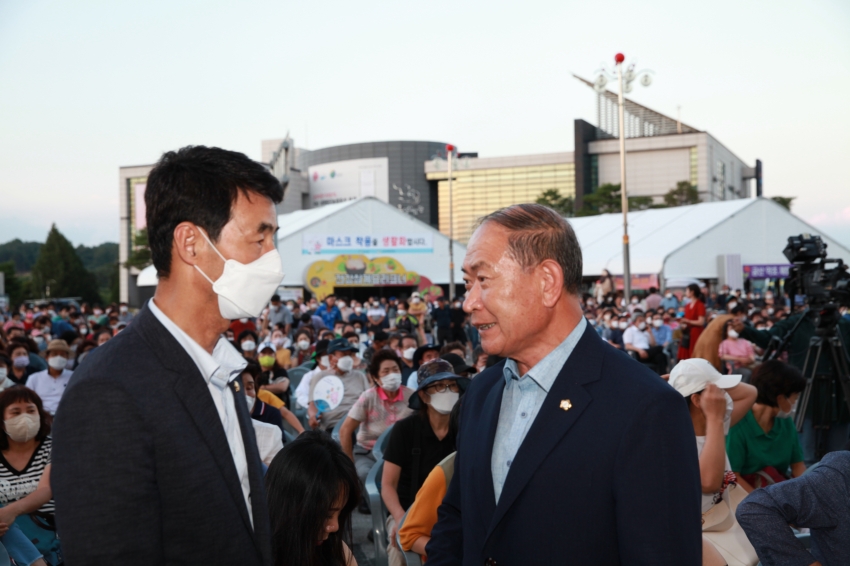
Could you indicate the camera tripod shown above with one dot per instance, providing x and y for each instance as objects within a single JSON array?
[{"x": 826, "y": 342}]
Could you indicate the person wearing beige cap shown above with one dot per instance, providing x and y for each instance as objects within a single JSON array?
[{"x": 50, "y": 384}]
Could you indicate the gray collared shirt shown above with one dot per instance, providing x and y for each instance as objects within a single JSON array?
[{"x": 521, "y": 401}]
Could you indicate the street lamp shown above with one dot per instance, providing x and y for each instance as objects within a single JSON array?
[
  {"x": 625, "y": 82},
  {"x": 450, "y": 149}
]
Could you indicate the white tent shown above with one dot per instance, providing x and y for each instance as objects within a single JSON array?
[
  {"x": 685, "y": 241},
  {"x": 302, "y": 231}
]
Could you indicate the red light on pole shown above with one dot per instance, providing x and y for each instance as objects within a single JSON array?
[
  {"x": 619, "y": 58},
  {"x": 450, "y": 147}
]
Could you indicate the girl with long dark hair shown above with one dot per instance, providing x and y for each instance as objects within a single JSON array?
[{"x": 312, "y": 488}]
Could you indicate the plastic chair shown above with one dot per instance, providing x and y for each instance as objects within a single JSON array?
[
  {"x": 337, "y": 427},
  {"x": 5, "y": 560},
  {"x": 381, "y": 444},
  {"x": 288, "y": 436},
  {"x": 410, "y": 558},
  {"x": 379, "y": 512}
]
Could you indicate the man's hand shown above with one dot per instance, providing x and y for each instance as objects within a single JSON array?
[
  {"x": 712, "y": 402},
  {"x": 314, "y": 424},
  {"x": 643, "y": 355}
]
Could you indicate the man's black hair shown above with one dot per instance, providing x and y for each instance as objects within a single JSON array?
[
  {"x": 275, "y": 298},
  {"x": 200, "y": 185}
]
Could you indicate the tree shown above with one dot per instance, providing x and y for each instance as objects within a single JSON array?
[
  {"x": 606, "y": 199},
  {"x": 684, "y": 193},
  {"x": 22, "y": 254},
  {"x": 784, "y": 202},
  {"x": 14, "y": 287},
  {"x": 556, "y": 201},
  {"x": 59, "y": 271},
  {"x": 140, "y": 255}
]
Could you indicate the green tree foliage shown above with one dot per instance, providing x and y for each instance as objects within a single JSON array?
[
  {"x": 783, "y": 201},
  {"x": 557, "y": 202},
  {"x": 140, "y": 256},
  {"x": 684, "y": 193},
  {"x": 14, "y": 285},
  {"x": 21, "y": 254},
  {"x": 606, "y": 199},
  {"x": 60, "y": 271}
]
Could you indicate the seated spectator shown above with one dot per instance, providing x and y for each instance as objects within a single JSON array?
[
  {"x": 321, "y": 362},
  {"x": 479, "y": 359},
  {"x": 638, "y": 339},
  {"x": 454, "y": 348},
  {"x": 302, "y": 348},
  {"x": 258, "y": 409},
  {"x": 377, "y": 409},
  {"x": 312, "y": 489},
  {"x": 250, "y": 374},
  {"x": 5, "y": 370},
  {"x": 247, "y": 341},
  {"x": 273, "y": 378},
  {"x": 406, "y": 350},
  {"x": 818, "y": 500},
  {"x": 50, "y": 384},
  {"x": 418, "y": 443},
  {"x": 614, "y": 335},
  {"x": 716, "y": 402},
  {"x": 737, "y": 353},
  {"x": 103, "y": 336},
  {"x": 459, "y": 365},
  {"x": 21, "y": 368},
  {"x": 415, "y": 534},
  {"x": 405, "y": 322},
  {"x": 24, "y": 470},
  {"x": 764, "y": 445},
  {"x": 282, "y": 344},
  {"x": 339, "y": 387}
]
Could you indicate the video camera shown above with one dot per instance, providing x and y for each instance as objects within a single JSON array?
[{"x": 824, "y": 288}]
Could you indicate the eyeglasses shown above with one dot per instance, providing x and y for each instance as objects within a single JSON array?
[{"x": 442, "y": 388}]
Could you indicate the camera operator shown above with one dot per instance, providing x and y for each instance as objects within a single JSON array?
[{"x": 823, "y": 409}]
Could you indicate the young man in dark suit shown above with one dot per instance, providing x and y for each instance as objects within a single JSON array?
[
  {"x": 154, "y": 455},
  {"x": 569, "y": 451}
]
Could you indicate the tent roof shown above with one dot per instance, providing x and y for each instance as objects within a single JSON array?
[
  {"x": 296, "y": 221},
  {"x": 653, "y": 235}
]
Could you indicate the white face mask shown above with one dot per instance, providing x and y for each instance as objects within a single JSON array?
[
  {"x": 391, "y": 382},
  {"x": 245, "y": 289},
  {"x": 249, "y": 346},
  {"x": 3, "y": 373},
  {"x": 444, "y": 402},
  {"x": 345, "y": 364},
  {"x": 788, "y": 414},
  {"x": 642, "y": 326},
  {"x": 624, "y": 325},
  {"x": 358, "y": 310},
  {"x": 731, "y": 333},
  {"x": 304, "y": 344},
  {"x": 657, "y": 323},
  {"x": 325, "y": 361},
  {"x": 57, "y": 362},
  {"x": 634, "y": 301},
  {"x": 669, "y": 295},
  {"x": 731, "y": 305},
  {"x": 250, "y": 400},
  {"x": 408, "y": 354},
  {"x": 22, "y": 428},
  {"x": 402, "y": 313}
]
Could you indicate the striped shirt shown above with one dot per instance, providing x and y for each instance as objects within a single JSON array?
[{"x": 15, "y": 484}]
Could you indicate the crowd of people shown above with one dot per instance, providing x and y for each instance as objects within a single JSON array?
[{"x": 383, "y": 354}]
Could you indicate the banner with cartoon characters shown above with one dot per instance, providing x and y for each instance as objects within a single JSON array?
[{"x": 356, "y": 270}]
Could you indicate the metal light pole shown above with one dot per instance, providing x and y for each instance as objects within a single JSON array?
[
  {"x": 625, "y": 83},
  {"x": 450, "y": 156}
]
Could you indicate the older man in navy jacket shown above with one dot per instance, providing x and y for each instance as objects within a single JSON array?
[{"x": 569, "y": 452}]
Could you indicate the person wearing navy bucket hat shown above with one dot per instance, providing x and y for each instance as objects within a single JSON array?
[{"x": 419, "y": 442}]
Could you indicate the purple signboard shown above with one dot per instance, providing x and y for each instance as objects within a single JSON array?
[{"x": 778, "y": 271}]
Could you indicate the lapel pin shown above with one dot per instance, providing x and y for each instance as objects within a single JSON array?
[
  {"x": 566, "y": 405},
  {"x": 236, "y": 387}
]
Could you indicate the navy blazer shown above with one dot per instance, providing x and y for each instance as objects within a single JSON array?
[
  {"x": 614, "y": 479},
  {"x": 142, "y": 471}
]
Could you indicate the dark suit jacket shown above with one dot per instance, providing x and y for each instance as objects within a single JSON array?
[
  {"x": 142, "y": 471},
  {"x": 612, "y": 480}
]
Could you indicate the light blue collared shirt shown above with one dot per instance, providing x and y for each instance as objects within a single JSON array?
[{"x": 521, "y": 402}]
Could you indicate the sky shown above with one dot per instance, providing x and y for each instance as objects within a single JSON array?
[{"x": 89, "y": 86}]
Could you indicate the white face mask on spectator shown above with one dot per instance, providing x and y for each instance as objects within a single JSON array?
[
  {"x": 624, "y": 325},
  {"x": 3, "y": 373},
  {"x": 250, "y": 400},
  {"x": 642, "y": 326},
  {"x": 444, "y": 402},
  {"x": 657, "y": 323},
  {"x": 58, "y": 362},
  {"x": 345, "y": 364},
  {"x": 731, "y": 333},
  {"x": 408, "y": 354},
  {"x": 391, "y": 382},
  {"x": 21, "y": 361},
  {"x": 23, "y": 427},
  {"x": 249, "y": 346},
  {"x": 304, "y": 344},
  {"x": 325, "y": 361}
]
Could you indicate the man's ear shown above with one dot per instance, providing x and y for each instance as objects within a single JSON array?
[
  {"x": 695, "y": 400},
  {"x": 551, "y": 281},
  {"x": 187, "y": 243}
]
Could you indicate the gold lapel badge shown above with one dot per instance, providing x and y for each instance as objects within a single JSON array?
[
  {"x": 566, "y": 405},
  {"x": 236, "y": 387}
]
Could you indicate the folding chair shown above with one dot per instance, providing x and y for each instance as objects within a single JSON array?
[{"x": 379, "y": 512}]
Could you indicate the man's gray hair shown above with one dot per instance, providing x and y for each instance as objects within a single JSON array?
[{"x": 538, "y": 233}]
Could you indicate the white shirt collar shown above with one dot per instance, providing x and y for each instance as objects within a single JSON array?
[{"x": 224, "y": 356}]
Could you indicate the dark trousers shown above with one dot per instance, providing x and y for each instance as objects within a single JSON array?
[
  {"x": 655, "y": 358},
  {"x": 443, "y": 335}
]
